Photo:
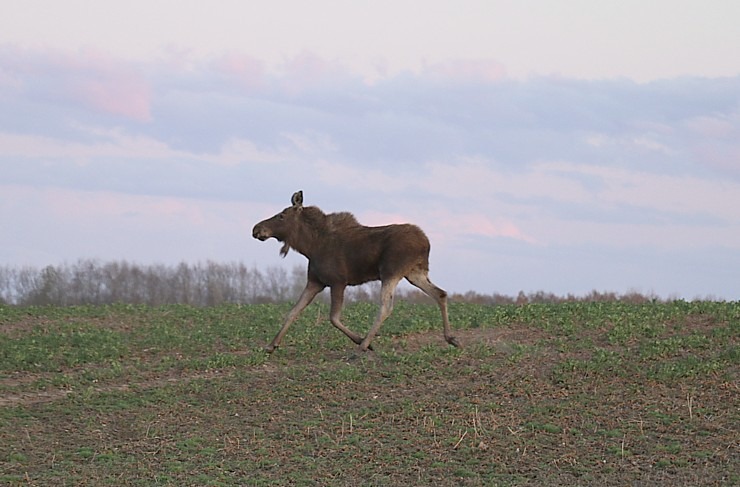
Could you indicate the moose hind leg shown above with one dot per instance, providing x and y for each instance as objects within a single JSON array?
[
  {"x": 335, "y": 316},
  {"x": 310, "y": 292},
  {"x": 387, "y": 288},
  {"x": 421, "y": 280}
]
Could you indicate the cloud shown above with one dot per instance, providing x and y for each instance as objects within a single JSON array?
[
  {"x": 120, "y": 94},
  {"x": 456, "y": 225},
  {"x": 378, "y": 218},
  {"x": 115, "y": 143},
  {"x": 308, "y": 70},
  {"x": 359, "y": 178},
  {"x": 682, "y": 196},
  {"x": 712, "y": 140},
  {"x": 466, "y": 70},
  {"x": 93, "y": 79},
  {"x": 644, "y": 142},
  {"x": 247, "y": 71},
  {"x": 485, "y": 182},
  {"x": 51, "y": 225},
  {"x": 105, "y": 205},
  {"x": 715, "y": 127},
  {"x": 109, "y": 143}
]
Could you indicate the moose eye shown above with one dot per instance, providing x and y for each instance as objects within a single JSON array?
[{"x": 281, "y": 217}]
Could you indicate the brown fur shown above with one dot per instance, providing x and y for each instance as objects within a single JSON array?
[{"x": 342, "y": 253}]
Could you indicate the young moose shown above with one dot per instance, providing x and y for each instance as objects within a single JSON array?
[{"x": 342, "y": 253}]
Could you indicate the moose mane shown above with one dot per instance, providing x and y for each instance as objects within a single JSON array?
[
  {"x": 319, "y": 223},
  {"x": 337, "y": 222}
]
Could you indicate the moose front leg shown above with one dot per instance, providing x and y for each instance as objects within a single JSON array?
[
  {"x": 337, "y": 301},
  {"x": 310, "y": 292}
]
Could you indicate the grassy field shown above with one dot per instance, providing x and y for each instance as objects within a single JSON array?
[{"x": 567, "y": 394}]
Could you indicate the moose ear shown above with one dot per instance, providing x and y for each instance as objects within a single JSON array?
[{"x": 297, "y": 199}]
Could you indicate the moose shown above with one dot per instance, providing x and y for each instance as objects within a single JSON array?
[{"x": 341, "y": 252}]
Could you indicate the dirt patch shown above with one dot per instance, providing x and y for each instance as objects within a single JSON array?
[
  {"x": 500, "y": 338},
  {"x": 159, "y": 380},
  {"x": 23, "y": 325}
]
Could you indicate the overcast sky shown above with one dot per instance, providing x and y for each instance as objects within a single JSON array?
[{"x": 559, "y": 146}]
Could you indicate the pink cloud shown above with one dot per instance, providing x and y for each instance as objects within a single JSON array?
[
  {"x": 377, "y": 218},
  {"x": 479, "y": 225},
  {"x": 109, "y": 85},
  {"x": 110, "y": 206},
  {"x": 124, "y": 96},
  {"x": 248, "y": 71},
  {"x": 714, "y": 127},
  {"x": 309, "y": 66},
  {"x": 307, "y": 70},
  {"x": 95, "y": 80}
]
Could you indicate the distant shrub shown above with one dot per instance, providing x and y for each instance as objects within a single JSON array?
[{"x": 89, "y": 281}]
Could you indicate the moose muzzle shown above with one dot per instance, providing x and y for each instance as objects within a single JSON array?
[{"x": 260, "y": 232}]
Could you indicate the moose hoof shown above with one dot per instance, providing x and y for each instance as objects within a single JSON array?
[
  {"x": 453, "y": 341},
  {"x": 360, "y": 344},
  {"x": 269, "y": 348}
]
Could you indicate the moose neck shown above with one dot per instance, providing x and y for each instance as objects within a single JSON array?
[
  {"x": 303, "y": 247},
  {"x": 308, "y": 235},
  {"x": 304, "y": 240}
]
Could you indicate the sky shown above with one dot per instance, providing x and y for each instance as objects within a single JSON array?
[{"x": 562, "y": 146}]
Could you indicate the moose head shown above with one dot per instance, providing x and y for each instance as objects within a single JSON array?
[{"x": 283, "y": 225}]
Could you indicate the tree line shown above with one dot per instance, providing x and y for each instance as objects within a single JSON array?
[
  {"x": 91, "y": 282},
  {"x": 94, "y": 282}
]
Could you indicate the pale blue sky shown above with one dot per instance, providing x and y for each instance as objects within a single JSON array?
[{"x": 557, "y": 146}]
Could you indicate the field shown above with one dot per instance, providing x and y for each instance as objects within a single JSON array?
[{"x": 564, "y": 394}]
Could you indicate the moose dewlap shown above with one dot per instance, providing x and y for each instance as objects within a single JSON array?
[{"x": 342, "y": 253}]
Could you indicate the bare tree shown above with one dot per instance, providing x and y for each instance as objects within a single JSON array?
[{"x": 89, "y": 281}]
